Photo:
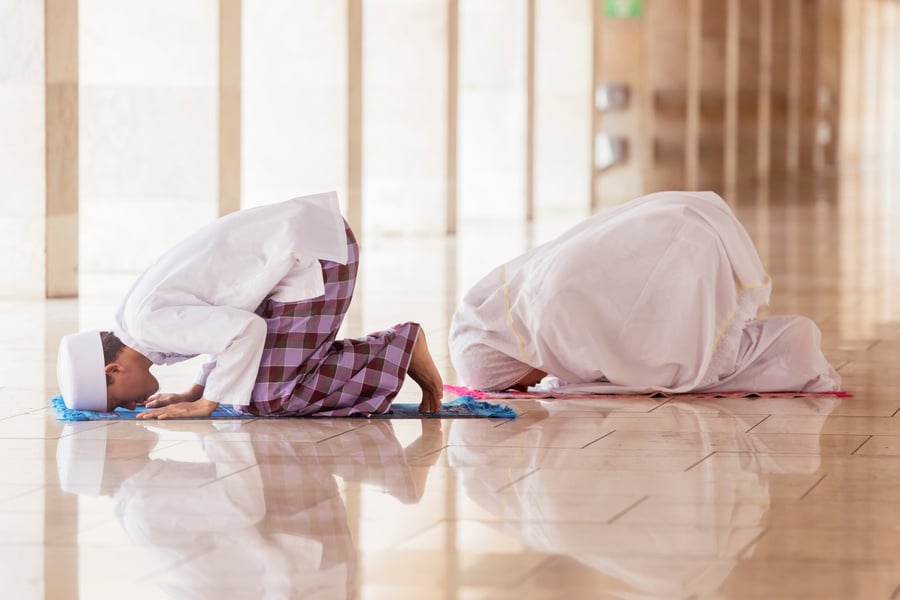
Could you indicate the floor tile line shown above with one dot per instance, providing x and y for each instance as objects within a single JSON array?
[
  {"x": 25, "y": 412},
  {"x": 232, "y": 474},
  {"x": 625, "y": 511},
  {"x": 20, "y": 494},
  {"x": 751, "y": 543},
  {"x": 100, "y": 425},
  {"x": 414, "y": 533},
  {"x": 894, "y": 414},
  {"x": 711, "y": 454},
  {"x": 167, "y": 568},
  {"x": 814, "y": 486},
  {"x": 168, "y": 445},
  {"x": 763, "y": 420},
  {"x": 517, "y": 480},
  {"x": 530, "y": 572},
  {"x": 896, "y": 593},
  {"x": 866, "y": 441},
  {"x": 605, "y": 435},
  {"x": 872, "y": 345},
  {"x": 331, "y": 437},
  {"x": 669, "y": 399},
  {"x": 427, "y": 454}
]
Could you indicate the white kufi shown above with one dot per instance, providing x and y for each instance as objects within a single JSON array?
[{"x": 79, "y": 371}]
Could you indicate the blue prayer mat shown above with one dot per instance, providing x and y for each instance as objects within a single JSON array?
[{"x": 464, "y": 407}]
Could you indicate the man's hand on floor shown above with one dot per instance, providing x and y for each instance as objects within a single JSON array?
[{"x": 181, "y": 410}]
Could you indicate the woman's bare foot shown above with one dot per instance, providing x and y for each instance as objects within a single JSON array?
[
  {"x": 533, "y": 377},
  {"x": 424, "y": 372}
]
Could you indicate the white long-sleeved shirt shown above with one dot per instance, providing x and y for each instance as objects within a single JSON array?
[{"x": 200, "y": 296}]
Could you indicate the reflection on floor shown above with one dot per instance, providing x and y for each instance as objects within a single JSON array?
[{"x": 650, "y": 498}]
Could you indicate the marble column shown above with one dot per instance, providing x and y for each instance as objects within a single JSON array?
[
  {"x": 229, "y": 106},
  {"x": 354, "y": 114},
  {"x": 61, "y": 110},
  {"x": 452, "y": 109}
]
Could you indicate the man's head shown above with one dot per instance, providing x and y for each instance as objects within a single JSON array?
[{"x": 96, "y": 371}]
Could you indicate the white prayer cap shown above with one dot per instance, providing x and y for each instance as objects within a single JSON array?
[
  {"x": 80, "y": 462},
  {"x": 79, "y": 371}
]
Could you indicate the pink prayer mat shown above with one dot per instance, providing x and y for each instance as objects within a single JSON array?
[{"x": 511, "y": 394}]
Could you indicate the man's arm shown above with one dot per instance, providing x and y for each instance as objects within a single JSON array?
[{"x": 233, "y": 336}]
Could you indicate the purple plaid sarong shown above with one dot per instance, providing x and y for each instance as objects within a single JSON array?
[{"x": 304, "y": 370}]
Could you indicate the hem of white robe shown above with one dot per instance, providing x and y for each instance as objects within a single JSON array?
[{"x": 725, "y": 349}]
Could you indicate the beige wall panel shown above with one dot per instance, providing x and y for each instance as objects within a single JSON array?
[
  {"x": 492, "y": 109},
  {"x": 807, "y": 94},
  {"x": 148, "y": 130},
  {"x": 621, "y": 61},
  {"x": 563, "y": 102},
  {"x": 748, "y": 99},
  {"x": 404, "y": 116},
  {"x": 667, "y": 47},
  {"x": 22, "y": 150},
  {"x": 830, "y": 88},
  {"x": 780, "y": 91},
  {"x": 294, "y": 137},
  {"x": 712, "y": 96},
  {"x": 764, "y": 93}
]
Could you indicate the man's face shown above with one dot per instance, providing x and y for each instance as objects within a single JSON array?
[{"x": 130, "y": 387}]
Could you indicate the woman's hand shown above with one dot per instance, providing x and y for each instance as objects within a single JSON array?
[
  {"x": 160, "y": 400},
  {"x": 181, "y": 410}
]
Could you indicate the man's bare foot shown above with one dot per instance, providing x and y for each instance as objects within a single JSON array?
[{"x": 424, "y": 372}]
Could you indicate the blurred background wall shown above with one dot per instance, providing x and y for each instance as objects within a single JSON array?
[{"x": 125, "y": 125}]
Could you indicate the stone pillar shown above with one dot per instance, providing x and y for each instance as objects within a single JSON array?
[
  {"x": 452, "y": 109},
  {"x": 229, "y": 106},
  {"x": 61, "y": 110},
  {"x": 354, "y": 114}
]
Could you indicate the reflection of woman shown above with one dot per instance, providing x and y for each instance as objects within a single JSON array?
[
  {"x": 264, "y": 518},
  {"x": 687, "y": 528},
  {"x": 660, "y": 294}
]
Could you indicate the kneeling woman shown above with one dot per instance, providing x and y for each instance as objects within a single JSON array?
[{"x": 658, "y": 294}]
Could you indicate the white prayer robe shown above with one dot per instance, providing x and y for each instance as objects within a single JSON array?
[
  {"x": 658, "y": 294},
  {"x": 200, "y": 296}
]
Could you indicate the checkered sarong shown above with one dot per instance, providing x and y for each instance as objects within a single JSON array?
[{"x": 305, "y": 371}]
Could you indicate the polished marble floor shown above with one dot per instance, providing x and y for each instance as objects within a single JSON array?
[{"x": 577, "y": 498}]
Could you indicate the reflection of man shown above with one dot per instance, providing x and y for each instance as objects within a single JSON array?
[
  {"x": 98, "y": 465},
  {"x": 677, "y": 529},
  {"x": 264, "y": 517}
]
